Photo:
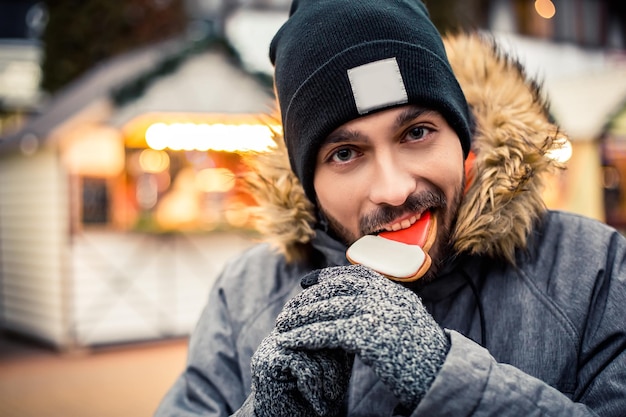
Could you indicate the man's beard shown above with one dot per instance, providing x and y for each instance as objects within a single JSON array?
[{"x": 428, "y": 200}]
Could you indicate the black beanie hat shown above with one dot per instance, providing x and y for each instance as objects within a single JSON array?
[{"x": 337, "y": 60}]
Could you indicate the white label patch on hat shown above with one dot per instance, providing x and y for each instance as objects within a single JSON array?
[{"x": 376, "y": 85}]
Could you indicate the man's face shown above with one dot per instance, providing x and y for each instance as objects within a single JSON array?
[{"x": 382, "y": 171}]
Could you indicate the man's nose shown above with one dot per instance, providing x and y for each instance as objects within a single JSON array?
[{"x": 391, "y": 182}]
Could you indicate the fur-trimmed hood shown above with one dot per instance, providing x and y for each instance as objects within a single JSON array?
[{"x": 513, "y": 133}]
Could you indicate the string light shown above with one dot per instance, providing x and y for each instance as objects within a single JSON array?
[{"x": 204, "y": 137}]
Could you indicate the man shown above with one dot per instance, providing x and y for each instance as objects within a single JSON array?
[{"x": 521, "y": 312}]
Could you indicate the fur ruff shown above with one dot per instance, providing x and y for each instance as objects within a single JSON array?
[{"x": 513, "y": 133}]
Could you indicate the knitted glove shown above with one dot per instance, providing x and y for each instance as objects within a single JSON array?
[
  {"x": 294, "y": 383},
  {"x": 355, "y": 309}
]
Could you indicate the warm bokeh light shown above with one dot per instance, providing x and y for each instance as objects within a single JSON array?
[
  {"x": 177, "y": 210},
  {"x": 545, "y": 8},
  {"x": 153, "y": 162},
  {"x": 94, "y": 151},
  {"x": 562, "y": 151},
  {"x": 204, "y": 136},
  {"x": 237, "y": 215},
  {"x": 147, "y": 192},
  {"x": 215, "y": 180}
]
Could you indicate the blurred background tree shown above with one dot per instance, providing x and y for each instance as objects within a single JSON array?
[{"x": 81, "y": 33}]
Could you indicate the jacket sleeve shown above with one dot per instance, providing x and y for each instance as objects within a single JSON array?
[
  {"x": 472, "y": 383},
  {"x": 211, "y": 384}
]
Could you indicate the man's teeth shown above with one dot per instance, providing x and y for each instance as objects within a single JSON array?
[{"x": 403, "y": 224}]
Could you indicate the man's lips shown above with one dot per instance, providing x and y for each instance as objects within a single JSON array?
[{"x": 415, "y": 234}]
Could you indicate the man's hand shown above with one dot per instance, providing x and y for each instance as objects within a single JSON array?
[
  {"x": 359, "y": 311},
  {"x": 290, "y": 383}
]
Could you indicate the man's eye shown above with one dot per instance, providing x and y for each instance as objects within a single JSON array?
[
  {"x": 343, "y": 155},
  {"x": 418, "y": 133}
]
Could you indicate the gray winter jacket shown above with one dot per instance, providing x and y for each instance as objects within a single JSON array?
[{"x": 534, "y": 301}]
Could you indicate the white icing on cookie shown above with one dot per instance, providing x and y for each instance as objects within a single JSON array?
[{"x": 387, "y": 257}]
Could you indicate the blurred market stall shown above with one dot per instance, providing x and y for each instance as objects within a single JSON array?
[{"x": 119, "y": 204}]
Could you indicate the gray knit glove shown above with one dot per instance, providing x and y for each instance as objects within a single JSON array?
[
  {"x": 356, "y": 309},
  {"x": 288, "y": 383}
]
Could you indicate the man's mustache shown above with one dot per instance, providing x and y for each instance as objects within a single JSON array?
[{"x": 385, "y": 214}]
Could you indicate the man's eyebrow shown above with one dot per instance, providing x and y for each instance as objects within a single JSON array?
[
  {"x": 343, "y": 135},
  {"x": 411, "y": 113}
]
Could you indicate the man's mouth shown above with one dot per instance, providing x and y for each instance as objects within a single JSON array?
[
  {"x": 402, "y": 254},
  {"x": 401, "y": 224},
  {"x": 413, "y": 230}
]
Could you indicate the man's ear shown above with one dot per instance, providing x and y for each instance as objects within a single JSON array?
[{"x": 469, "y": 171}]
